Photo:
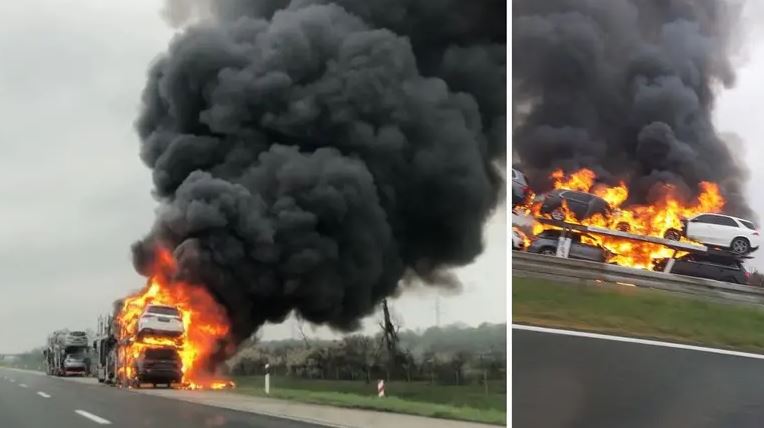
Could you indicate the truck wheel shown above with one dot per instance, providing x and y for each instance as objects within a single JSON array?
[
  {"x": 558, "y": 214},
  {"x": 740, "y": 245},
  {"x": 548, "y": 251},
  {"x": 672, "y": 235}
]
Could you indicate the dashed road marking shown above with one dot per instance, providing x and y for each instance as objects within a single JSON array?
[
  {"x": 42, "y": 394},
  {"x": 92, "y": 417},
  {"x": 23, "y": 385}
]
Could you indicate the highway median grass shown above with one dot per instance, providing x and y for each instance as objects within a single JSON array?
[
  {"x": 638, "y": 312},
  {"x": 467, "y": 403}
]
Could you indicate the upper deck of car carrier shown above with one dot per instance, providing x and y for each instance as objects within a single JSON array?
[{"x": 564, "y": 242}]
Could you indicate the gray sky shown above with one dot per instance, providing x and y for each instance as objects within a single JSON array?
[{"x": 75, "y": 194}]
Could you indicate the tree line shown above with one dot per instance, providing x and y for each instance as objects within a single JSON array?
[{"x": 453, "y": 354}]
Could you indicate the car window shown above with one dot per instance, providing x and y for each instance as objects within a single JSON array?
[
  {"x": 552, "y": 234},
  {"x": 723, "y": 221},
  {"x": 578, "y": 196},
  {"x": 748, "y": 224},
  {"x": 163, "y": 310},
  {"x": 725, "y": 262},
  {"x": 705, "y": 218}
]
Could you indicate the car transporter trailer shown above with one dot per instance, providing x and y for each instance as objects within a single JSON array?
[{"x": 564, "y": 241}]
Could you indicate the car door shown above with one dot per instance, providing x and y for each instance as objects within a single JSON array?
[
  {"x": 723, "y": 230},
  {"x": 577, "y": 250},
  {"x": 578, "y": 203},
  {"x": 580, "y": 250},
  {"x": 698, "y": 227}
]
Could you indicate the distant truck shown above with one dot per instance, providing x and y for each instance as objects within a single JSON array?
[
  {"x": 127, "y": 361},
  {"x": 66, "y": 353}
]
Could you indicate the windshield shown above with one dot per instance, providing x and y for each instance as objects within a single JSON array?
[{"x": 163, "y": 310}]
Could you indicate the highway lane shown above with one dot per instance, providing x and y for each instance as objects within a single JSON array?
[
  {"x": 45, "y": 401},
  {"x": 566, "y": 381}
]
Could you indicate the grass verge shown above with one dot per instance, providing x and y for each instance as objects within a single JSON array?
[
  {"x": 638, "y": 312},
  {"x": 467, "y": 403}
]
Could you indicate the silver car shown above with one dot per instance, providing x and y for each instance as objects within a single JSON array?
[{"x": 546, "y": 243}]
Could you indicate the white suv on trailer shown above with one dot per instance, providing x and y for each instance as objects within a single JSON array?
[
  {"x": 161, "y": 320},
  {"x": 736, "y": 234}
]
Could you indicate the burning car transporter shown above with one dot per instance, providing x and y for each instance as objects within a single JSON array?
[
  {"x": 163, "y": 334},
  {"x": 652, "y": 239}
]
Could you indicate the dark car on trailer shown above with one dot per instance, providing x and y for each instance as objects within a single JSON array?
[
  {"x": 159, "y": 366},
  {"x": 582, "y": 205},
  {"x": 717, "y": 266}
]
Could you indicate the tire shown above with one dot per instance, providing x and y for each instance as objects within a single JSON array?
[
  {"x": 623, "y": 226},
  {"x": 549, "y": 251},
  {"x": 740, "y": 245},
  {"x": 672, "y": 235}
]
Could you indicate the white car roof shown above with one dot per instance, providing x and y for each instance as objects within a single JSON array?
[{"x": 724, "y": 215}]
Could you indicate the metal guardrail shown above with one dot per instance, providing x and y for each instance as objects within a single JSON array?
[{"x": 530, "y": 265}]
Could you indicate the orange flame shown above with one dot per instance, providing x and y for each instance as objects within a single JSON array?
[
  {"x": 651, "y": 220},
  {"x": 205, "y": 324}
]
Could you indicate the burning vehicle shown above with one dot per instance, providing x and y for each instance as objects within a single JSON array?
[
  {"x": 161, "y": 320},
  {"x": 520, "y": 188},
  {"x": 735, "y": 234},
  {"x": 583, "y": 246},
  {"x": 578, "y": 198},
  {"x": 561, "y": 203},
  {"x": 163, "y": 334}
]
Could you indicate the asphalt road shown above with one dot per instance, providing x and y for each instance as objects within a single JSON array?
[
  {"x": 30, "y": 400},
  {"x": 565, "y": 381}
]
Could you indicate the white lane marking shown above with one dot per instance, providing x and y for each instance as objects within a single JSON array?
[
  {"x": 92, "y": 417},
  {"x": 23, "y": 385},
  {"x": 42, "y": 394},
  {"x": 639, "y": 341},
  {"x": 13, "y": 380}
]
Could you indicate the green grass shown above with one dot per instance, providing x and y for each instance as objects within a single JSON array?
[
  {"x": 638, "y": 312},
  {"x": 468, "y": 402}
]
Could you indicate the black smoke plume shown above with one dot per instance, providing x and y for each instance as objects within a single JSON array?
[
  {"x": 309, "y": 154},
  {"x": 626, "y": 87}
]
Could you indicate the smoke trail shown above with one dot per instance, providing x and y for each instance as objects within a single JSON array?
[
  {"x": 626, "y": 87},
  {"x": 308, "y": 158}
]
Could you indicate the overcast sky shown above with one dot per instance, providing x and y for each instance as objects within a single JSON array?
[{"x": 75, "y": 194}]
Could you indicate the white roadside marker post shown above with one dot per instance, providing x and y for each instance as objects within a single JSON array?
[
  {"x": 268, "y": 379},
  {"x": 381, "y": 388}
]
